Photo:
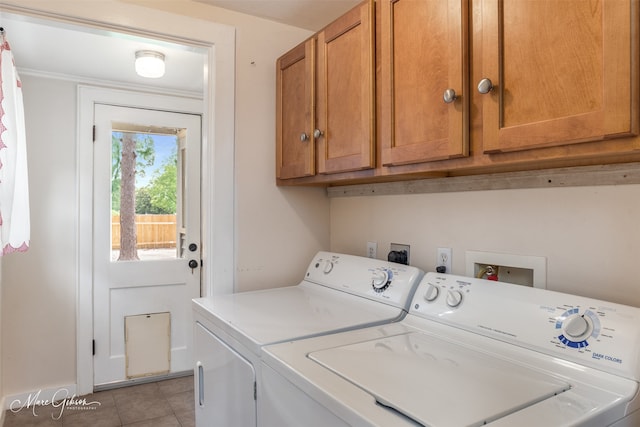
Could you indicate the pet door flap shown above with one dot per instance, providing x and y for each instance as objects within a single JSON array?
[{"x": 148, "y": 344}]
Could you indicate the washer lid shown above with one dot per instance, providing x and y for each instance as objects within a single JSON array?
[{"x": 439, "y": 383}]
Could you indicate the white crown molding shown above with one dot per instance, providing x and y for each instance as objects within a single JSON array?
[{"x": 109, "y": 83}]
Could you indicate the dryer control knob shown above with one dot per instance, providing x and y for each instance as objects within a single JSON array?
[
  {"x": 328, "y": 266},
  {"x": 454, "y": 298},
  {"x": 577, "y": 327},
  {"x": 432, "y": 293},
  {"x": 381, "y": 280}
]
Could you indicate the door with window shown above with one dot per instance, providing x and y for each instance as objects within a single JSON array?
[{"x": 146, "y": 225}]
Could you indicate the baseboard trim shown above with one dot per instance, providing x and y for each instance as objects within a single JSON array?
[{"x": 143, "y": 380}]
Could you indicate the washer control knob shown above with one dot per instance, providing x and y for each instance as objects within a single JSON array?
[
  {"x": 328, "y": 266},
  {"x": 454, "y": 298},
  {"x": 577, "y": 327},
  {"x": 432, "y": 293}
]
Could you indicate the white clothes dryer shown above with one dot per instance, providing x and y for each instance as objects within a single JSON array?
[
  {"x": 338, "y": 293},
  {"x": 470, "y": 352}
]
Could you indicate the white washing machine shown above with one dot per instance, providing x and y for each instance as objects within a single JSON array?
[
  {"x": 470, "y": 352},
  {"x": 338, "y": 293}
]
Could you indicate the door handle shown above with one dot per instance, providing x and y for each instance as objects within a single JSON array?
[{"x": 193, "y": 264}]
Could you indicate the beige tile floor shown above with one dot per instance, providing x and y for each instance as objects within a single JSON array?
[{"x": 168, "y": 403}]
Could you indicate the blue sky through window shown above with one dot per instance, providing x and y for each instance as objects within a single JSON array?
[{"x": 164, "y": 146}]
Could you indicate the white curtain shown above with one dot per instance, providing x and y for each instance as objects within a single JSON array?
[{"x": 14, "y": 186}]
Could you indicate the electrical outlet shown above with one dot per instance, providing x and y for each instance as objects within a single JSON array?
[
  {"x": 372, "y": 249},
  {"x": 444, "y": 259}
]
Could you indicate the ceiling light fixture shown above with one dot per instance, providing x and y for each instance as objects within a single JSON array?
[{"x": 149, "y": 64}]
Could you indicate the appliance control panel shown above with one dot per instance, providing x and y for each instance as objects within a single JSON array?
[
  {"x": 383, "y": 281},
  {"x": 591, "y": 332}
]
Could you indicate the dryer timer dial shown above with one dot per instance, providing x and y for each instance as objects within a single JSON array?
[
  {"x": 328, "y": 266},
  {"x": 381, "y": 280}
]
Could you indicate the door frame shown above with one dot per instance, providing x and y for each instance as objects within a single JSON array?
[
  {"x": 215, "y": 281},
  {"x": 218, "y": 139}
]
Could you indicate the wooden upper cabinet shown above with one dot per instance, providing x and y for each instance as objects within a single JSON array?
[
  {"x": 424, "y": 53},
  {"x": 345, "y": 109},
  {"x": 562, "y": 72},
  {"x": 295, "y": 149}
]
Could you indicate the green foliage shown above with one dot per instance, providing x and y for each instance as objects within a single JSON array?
[
  {"x": 143, "y": 201},
  {"x": 159, "y": 197}
]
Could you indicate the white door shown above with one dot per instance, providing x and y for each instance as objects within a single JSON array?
[{"x": 155, "y": 267}]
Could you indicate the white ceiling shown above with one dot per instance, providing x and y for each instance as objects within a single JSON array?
[
  {"x": 309, "y": 14},
  {"x": 67, "y": 50},
  {"x": 88, "y": 54}
]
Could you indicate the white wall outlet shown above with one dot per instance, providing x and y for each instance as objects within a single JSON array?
[
  {"x": 372, "y": 249},
  {"x": 444, "y": 259}
]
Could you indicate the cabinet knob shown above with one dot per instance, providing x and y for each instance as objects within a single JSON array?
[
  {"x": 304, "y": 137},
  {"x": 449, "y": 96},
  {"x": 485, "y": 86},
  {"x": 317, "y": 133}
]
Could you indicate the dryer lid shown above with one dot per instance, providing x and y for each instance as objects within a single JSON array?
[{"x": 437, "y": 382}]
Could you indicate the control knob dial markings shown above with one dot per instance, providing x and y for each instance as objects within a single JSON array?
[
  {"x": 576, "y": 329},
  {"x": 381, "y": 280}
]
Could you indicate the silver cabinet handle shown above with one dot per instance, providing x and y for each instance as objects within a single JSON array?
[
  {"x": 449, "y": 96},
  {"x": 317, "y": 133},
  {"x": 304, "y": 137},
  {"x": 485, "y": 86}
]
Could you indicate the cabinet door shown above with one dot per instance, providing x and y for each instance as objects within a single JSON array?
[
  {"x": 295, "y": 149},
  {"x": 224, "y": 384},
  {"x": 346, "y": 96},
  {"x": 562, "y": 72},
  {"x": 424, "y": 52}
]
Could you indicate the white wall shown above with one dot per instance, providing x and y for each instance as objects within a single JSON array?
[
  {"x": 277, "y": 227},
  {"x": 589, "y": 235},
  {"x": 274, "y": 227},
  {"x": 39, "y": 286}
]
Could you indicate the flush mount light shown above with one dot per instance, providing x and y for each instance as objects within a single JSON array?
[{"x": 149, "y": 64}]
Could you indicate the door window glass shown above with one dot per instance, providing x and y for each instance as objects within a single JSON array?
[{"x": 144, "y": 196}]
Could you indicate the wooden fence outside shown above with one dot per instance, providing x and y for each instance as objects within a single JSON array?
[{"x": 154, "y": 231}]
